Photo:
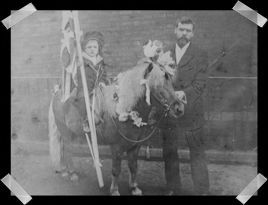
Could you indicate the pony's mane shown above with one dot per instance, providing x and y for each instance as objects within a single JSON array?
[{"x": 130, "y": 89}]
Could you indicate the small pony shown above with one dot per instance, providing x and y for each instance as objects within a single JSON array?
[{"x": 123, "y": 137}]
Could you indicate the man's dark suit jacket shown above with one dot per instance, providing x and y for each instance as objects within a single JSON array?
[{"x": 190, "y": 77}]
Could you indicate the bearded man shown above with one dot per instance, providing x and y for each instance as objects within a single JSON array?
[{"x": 189, "y": 82}]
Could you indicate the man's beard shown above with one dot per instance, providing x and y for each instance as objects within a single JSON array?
[{"x": 183, "y": 41}]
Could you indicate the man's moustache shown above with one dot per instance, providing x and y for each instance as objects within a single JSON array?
[{"x": 184, "y": 38}]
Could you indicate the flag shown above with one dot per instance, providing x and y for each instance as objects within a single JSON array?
[{"x": 68, "y": 55}]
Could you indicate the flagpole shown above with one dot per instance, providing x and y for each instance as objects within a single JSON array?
[{"x": 86, "y": 95}]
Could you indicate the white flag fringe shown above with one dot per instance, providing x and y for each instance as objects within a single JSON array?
[{"x": 54, "y": 139}]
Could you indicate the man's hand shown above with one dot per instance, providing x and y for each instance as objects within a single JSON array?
[{"x": 181, "y": 96}]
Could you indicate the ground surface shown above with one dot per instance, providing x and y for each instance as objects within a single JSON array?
[{"x": 35, "y": 174}]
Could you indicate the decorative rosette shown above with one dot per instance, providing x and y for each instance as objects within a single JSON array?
[{"x": 154, "y": 49}]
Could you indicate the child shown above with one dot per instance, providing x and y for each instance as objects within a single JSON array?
[{"x": 95, "y": 70}]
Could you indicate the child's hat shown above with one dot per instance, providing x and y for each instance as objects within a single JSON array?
[{"x": 95, "y": 35}]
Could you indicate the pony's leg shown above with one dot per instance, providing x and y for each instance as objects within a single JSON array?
[
  {"x": 67, "y": 161},
  {"x": 133, "y": 168},
  {"x": 116, "y": 170}
]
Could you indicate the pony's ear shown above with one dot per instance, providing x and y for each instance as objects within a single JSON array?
[{"x": 148, "y": 70}]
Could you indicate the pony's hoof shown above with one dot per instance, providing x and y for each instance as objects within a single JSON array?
[
  {"x": 115, "y": 193},
  {"x": 136, "y": 192},
  {"x": 74, "y": 177}
]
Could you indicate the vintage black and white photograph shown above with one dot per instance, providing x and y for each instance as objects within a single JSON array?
[{"x": 134, "y": 102}]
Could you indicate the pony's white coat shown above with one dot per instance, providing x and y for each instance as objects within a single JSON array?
[
  {"x": 128, "y": 89},
  {"x": 131, "y": 88}
]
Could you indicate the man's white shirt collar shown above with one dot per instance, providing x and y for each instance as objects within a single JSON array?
[{"x": 180, "y": 52}]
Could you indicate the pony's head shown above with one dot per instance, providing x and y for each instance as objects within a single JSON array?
[{"x": 159, "y": 82}]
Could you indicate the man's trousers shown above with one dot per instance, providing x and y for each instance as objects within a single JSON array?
[{"x": 198, "y": 162}]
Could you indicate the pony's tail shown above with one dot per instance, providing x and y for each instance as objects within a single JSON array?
[{"x": 55, "y": 144}]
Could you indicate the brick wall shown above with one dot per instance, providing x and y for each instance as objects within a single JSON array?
[{"x": 35, "y": 66}]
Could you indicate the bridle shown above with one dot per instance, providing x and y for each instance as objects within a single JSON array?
[{"x": 162, "y": 101}]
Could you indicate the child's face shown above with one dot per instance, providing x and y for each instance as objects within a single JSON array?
[{"x": 92, "y": 48}]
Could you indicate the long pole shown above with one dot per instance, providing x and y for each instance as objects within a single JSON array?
[{"x": 85, "y": 89}]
